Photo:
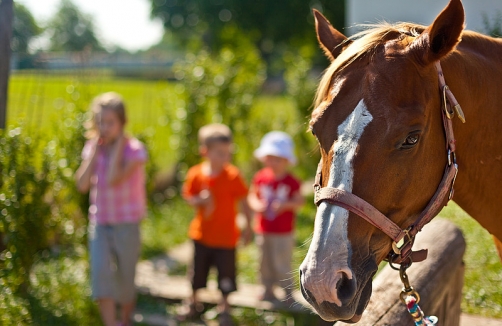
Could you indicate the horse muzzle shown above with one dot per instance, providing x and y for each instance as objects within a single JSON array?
[
  {"x": 331, "y": 297},
  {"x": 337, "y": 296}
]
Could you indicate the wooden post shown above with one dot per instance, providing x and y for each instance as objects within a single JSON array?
[
  {"x": 439, "y": 281},
  {"x": 6, "y": 16}
]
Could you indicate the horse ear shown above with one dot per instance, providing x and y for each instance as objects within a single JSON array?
[
  {"x": 442, "y": 36},
  {"x": 329, "y": 38}
]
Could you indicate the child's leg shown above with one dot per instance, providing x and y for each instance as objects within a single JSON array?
[
  {"x": 224, "y": 305},
  {"x": 128, "y": 246},
  {"x": 283, "y": 254},
  {"x": 226, "y": 265},
  {"x": 102, "y": 275},
  {"x": 126, "y": 312},
  {"x": 266, "y": 266},
  {"x": 107, "y": 311},
  {"x": 201, "y": 265},
  {"x": 198, "y": 273}
]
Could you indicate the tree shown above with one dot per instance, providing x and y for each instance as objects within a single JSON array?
[
  {"x": 272, "y": 24},
  {"x": 72, "y": 30},
  {"x": 24, "y": 28}
]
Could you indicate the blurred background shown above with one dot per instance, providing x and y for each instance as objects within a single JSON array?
[{"x": 179, "y": 64}]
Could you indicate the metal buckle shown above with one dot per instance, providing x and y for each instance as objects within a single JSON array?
[{"x": 398, "y": 246}]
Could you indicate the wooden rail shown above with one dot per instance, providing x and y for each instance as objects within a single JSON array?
[{"x": 438, "y": 280}]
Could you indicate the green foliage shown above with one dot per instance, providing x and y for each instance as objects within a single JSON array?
[
  {"x": 494, "y": 27},
  {"x": 72, "y": 30},
  {"x": 165, "y": 227},
  {"x": 217, "y": 88},
  {"x": 14, "y": 310},
  {"x": 24, "y": 28},
  {"x": 300, "y": 87},
  {"x": 61, "y": 291},
  {"x": 26, "y": 220},
  {"x": 40, "y": 209},
  {"x": 271, "y": 24}
]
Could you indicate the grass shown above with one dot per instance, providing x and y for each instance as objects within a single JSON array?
[
  {"x": 39, "y": 98},
  {"x": 483, "y": 269}
]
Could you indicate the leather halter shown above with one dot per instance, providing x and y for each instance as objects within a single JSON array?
[{"x": 403, "y": 238}]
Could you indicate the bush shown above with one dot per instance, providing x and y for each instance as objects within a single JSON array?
[
  {"x": 61, "y": 293},
  {"x": 217, "y": 88},
  {"x": 43, "y": 261}
]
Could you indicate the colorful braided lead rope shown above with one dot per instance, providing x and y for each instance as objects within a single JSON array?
[{"x": 417, "y": 313}]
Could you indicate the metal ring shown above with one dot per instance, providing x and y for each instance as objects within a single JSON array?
[
  {"x": 391, "y": 262},
  {"x": 413, "y": 293}
]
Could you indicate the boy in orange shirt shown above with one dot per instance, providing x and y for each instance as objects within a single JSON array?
[{"x": 215, "y": 187}]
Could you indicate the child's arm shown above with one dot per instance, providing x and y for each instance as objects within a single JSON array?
[
  {"x": 293, "y": 204},
  {"x": 201, "y": 199},
  {"x": 86, "y": 170},
  {"x": 118, "y": 172},
  {"x": 246, "y": 210},
  {"x": 255, "y": 203}
]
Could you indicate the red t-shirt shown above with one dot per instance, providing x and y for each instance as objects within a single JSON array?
[
  {"x": 218, "y": 230},
  {"x": 270, "y": 189}
]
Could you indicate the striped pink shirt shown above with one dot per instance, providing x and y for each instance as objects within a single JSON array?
[{"x": 124, "y": 202}]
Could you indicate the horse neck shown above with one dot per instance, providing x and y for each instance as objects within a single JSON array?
[
  {"x": 474, "y": 74},
  {"x": 475, "y": 69}
]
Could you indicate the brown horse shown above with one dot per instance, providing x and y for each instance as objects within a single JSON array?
[{"x": 378, "y": 121}]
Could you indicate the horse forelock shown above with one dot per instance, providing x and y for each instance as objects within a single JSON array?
[{"x": 364, "y": 42}]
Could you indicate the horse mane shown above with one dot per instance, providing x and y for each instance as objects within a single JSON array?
[{"x": 364, "y": 42}]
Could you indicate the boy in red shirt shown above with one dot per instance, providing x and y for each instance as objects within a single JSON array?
[
  {"x": 215, "y": 187},
  {"x": 275, "y": 196}
]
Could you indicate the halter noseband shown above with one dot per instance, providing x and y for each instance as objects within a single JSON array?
[{"x": 403, "y": 239}]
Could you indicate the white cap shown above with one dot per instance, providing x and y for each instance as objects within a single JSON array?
[{"x": 276, "y": 143}]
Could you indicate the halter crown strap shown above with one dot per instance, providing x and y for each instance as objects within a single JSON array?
[{"x": 403, "y": 239}]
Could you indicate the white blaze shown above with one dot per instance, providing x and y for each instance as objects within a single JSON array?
[
  {"x": 342, "y": 173},
  {"x": 330, "y": 231}
]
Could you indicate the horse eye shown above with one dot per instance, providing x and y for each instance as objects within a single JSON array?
[
  {"x": 312, "y": 131},
  {"x": 410, "y": 141}
]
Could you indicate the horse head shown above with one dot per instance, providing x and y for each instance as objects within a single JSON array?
[{"x": 378, "y": 122}]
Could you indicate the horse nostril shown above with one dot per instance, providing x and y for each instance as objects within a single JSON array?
[{"x": 346, "y": 288}]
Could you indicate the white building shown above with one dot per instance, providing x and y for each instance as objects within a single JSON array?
[{"x": 418, "y": 11}]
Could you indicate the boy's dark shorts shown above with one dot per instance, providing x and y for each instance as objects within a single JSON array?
[{"x": 224, "y": 261}]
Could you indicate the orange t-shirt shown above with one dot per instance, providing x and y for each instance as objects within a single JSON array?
[{"x": 218, "y": 230}]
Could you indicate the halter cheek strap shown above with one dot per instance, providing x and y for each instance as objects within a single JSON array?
[{"x": 403, "y": 238}]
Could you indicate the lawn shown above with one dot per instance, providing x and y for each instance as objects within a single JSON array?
[{"x": 39, "y": 98}]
